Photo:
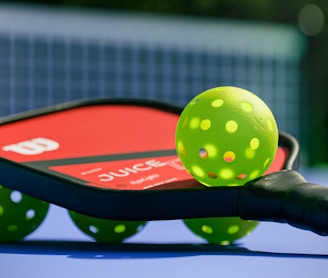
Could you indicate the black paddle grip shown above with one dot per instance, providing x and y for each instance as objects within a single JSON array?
[{"x": 286, "y": 197}]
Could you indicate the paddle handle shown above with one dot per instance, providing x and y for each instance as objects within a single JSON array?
[{"x": 285, "y": 196}]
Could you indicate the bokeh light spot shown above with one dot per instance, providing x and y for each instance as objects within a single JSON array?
[{"x": 311, "y": 19}]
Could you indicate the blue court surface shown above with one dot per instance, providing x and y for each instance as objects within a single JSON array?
[{"x": 166, "y": 249}]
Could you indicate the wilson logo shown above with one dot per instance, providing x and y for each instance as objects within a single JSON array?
[{"x": 33, "y": 147}]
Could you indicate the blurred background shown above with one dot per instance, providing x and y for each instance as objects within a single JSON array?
[{"x": 171, "y": 50}]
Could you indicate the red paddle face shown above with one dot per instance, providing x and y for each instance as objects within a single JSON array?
[{"x": 119, "y": 146}]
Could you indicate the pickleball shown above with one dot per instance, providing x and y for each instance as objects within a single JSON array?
[
  {"x": 104, "y": 230},
  {"x": 20, "y": 214},
  {"x": 222, "y": 231},
  {"x": 226, "y": 136}
]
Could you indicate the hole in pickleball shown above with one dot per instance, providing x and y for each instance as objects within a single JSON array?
[
  {"x": 229, "y": 156},
  {"x": 225, "y": 242},
  {"x": 205, "y": 124},
  {"x": 121, "y": 228},
  {"x": 217, "y": 103},
  {"x": 271, "y": 125},
  {"x": 12, "y": 228},
  {"x": 254, "y": 143},
  {"x": 30, "y": 214},
  {"x": 140, "y": 228},
  {"x": 207, "y": 229},
  {"x": 181, "y": 148},
  {"x": 93, "y": 229},
  {"x": 241, "y": 176},
  {"x": 247, "y": 107},
  {"x": 211, "y": 150},
  {"x": 249, "y": 153},
  {"x": 194, "y": 123},
  {"x": 16, "y": 196},
  {"x": 212, "y": 175},
  {"x": 194, "y": 101},
  {"x": 226, "y": 173},
  {"x": 197, "y": 171},
  {"x": 203, "y": 153},
  {"x": 233, "y": 229},
  {"x": 185, "y": 122},
  {"x": 254, "y": 174},
  {"x": 231, "y": 126},
  {"x": 266, "y": 162}
]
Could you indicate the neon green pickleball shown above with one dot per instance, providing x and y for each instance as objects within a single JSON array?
[
  {"x": 226, "y": 136},
  {"x": 104, "y": 230},
  {"x": 222, "y": 231},
  {"x": 20, "y": 214}
]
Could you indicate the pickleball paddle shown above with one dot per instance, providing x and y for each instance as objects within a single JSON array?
[{"x": 116, "y": 159}]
